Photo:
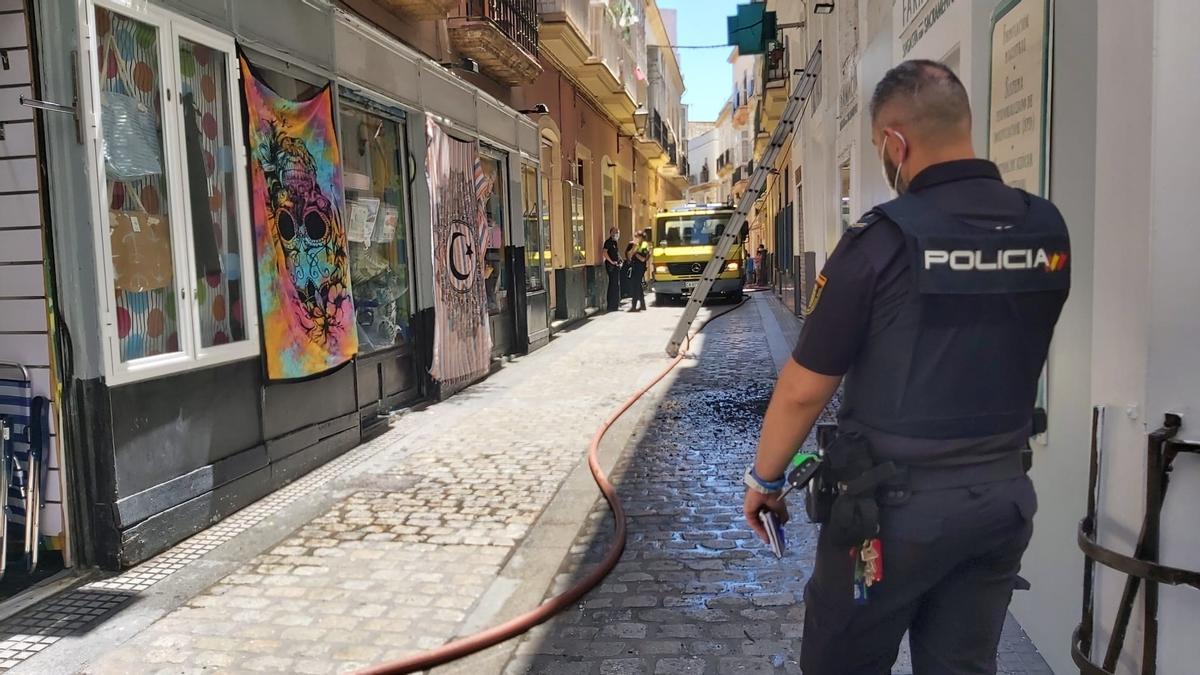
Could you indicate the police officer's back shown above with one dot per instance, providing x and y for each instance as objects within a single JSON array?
[{"x": 937, "y": 309}]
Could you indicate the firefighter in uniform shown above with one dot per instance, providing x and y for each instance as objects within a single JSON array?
[{"x": 934, "y": 314}]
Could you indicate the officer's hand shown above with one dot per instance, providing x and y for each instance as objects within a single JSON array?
[{"x": 757, "y": 502}]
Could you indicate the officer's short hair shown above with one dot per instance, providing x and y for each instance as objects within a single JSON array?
[{"x": 936, "y": 98}]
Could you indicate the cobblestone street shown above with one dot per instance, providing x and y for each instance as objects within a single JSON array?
[
  {"x": 696, "y": 592},
  {"x": 472, "y": 510}
]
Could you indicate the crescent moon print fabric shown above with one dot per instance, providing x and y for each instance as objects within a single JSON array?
[
  {"x": 297, "y": 203},
  {"x": 458, "y": 187}
]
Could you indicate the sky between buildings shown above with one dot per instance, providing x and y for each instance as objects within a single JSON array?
[{"x": 707, "y": 73}]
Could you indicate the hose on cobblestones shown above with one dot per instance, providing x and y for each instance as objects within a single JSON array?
[{"x": 518, "y": 625}]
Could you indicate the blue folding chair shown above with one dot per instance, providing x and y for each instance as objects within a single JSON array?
[{"x": 25, "y": 428}]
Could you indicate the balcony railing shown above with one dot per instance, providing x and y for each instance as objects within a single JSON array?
[
  {"x": 743, "y": 171},
  {"x": 575, "y": 10},
  {"x": 517, "y": 19},
  {"x": 724, "y": 160},
  {"x": 775, "y": 65},
  {"x": 617, "y": 46}
]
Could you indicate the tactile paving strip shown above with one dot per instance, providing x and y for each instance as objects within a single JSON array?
[{"x": 24, "y": 635}]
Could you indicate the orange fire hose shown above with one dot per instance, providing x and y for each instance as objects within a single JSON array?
[{"x": 470, "y": 644}]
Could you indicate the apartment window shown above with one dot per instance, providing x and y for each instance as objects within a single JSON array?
[{"x": 170, "y": 200}]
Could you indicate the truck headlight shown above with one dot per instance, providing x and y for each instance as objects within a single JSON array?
[
  {"x": 660, "y": 269},
  {"x": 731, "y": 267}
]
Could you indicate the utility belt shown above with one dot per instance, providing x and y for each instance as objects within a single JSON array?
[{"x": 849, "y": 486}]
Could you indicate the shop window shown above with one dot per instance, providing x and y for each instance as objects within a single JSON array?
[
  {"x": 535, "y": 261},
  {"x": 575, "y": 213},
  {"x": 495, "y": 267},
  {"x": 377, "y": 225},
  {"x": 547, "y": 242},
  {"x": 172, "y": 208}
]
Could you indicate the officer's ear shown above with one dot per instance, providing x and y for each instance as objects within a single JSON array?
[{"x": 900, "y": 143}]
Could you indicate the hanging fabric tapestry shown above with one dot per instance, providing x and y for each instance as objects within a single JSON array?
[
  {"x": 462, "y": 345},
  {"x": 299, "y": 235}
]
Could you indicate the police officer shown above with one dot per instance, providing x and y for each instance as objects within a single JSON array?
[
  {"x": 612, "y": 262},
  {"x": 935, "y": 313}
]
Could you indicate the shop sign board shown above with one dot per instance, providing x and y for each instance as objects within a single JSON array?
[{"x": 1018, "y": 111}]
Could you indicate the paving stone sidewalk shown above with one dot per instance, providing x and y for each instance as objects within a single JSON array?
[
  {"x": 411, "y": 537},
  {"x": 695, "y": 593},
  {"x": 390, "y": 549}
]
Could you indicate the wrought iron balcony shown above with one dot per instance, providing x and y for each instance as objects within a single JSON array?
[
  {"x": 502, "y": 36},
  {"x": 776, "y": 76},
  {"x": 775, "y": 65}
]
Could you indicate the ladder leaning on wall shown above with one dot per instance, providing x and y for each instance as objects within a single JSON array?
[{"x": 792, "y": 112}]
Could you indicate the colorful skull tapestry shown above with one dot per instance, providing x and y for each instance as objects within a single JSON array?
[
  {"x": 462, "y": 346},
  {"x": 299, "y": 234}
]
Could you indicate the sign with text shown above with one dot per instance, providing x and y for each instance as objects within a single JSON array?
[
  {"x": 1018, "y": 141},
  {"x": 1019, "y": 98},
  {"x": 918, "y": 18}
]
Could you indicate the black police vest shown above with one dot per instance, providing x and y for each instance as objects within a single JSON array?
[{"x": 963, "y": 358}]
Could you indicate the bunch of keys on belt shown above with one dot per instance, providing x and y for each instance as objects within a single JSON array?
[{"x": 868, "y": 567}]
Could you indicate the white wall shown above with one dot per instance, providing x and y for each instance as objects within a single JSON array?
[
  {"x": 1053, "y": 563},
  {"x": 1173, "y": 337}
]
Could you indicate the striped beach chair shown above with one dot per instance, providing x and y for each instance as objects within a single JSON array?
[{"x": 24, "y": 425}]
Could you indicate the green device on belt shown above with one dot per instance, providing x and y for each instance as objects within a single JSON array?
[{"x": 802, "y": 469}]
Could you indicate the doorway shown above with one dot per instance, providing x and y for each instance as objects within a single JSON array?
[{"x": 497, "y": 271}]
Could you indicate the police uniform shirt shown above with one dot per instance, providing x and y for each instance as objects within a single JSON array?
[
  {"x": 611, "y": 252},
  {"x": 863, "y": 285}
]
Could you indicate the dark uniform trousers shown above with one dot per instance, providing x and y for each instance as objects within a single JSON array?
[
  {"x": 614, "y": 286},
  {"x": 950, "y": 563}
]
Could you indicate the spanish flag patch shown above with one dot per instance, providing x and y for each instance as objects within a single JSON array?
[{"x": 816, "y": 294}]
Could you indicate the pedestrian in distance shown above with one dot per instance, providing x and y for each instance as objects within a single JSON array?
[
  {"x": 935, "y": 313},
  {"x": 760, "y": 265},
  {"x": 612, "y": 264},
  {"x": 750, "y": 268},
  {"x": 641, "y": 255}
]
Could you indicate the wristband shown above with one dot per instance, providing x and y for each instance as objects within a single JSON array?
[{"x": 765, "y": 487}]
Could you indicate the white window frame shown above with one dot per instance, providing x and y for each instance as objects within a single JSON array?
[{"x": 171, "y": 28}]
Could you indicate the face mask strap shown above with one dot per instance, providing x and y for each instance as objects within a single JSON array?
[{"x": 895, "y": 178}]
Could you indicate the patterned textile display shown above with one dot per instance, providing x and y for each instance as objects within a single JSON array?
[
  {"x": 299, "y": 234},
  {"x": 462, "y": 344}
]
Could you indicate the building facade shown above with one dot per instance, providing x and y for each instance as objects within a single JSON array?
[{"x": 167, "y": 417}]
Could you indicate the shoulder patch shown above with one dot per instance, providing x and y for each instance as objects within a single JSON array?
[
  {"x": 867, "y": 220},
  {"x": 818, "y": 286}
]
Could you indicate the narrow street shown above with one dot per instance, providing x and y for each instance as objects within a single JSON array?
[{"x": 468, "y": 512}]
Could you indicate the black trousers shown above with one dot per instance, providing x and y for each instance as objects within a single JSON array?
[
  {"x": 614, "y": 287},
  {"x": 950, "y": 562},
  {"x": 635, "y": 287}
]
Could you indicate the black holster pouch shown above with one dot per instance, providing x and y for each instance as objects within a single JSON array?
[
  {"x": 818, "y": 498},
  {"x": 851, "y": 477}
]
